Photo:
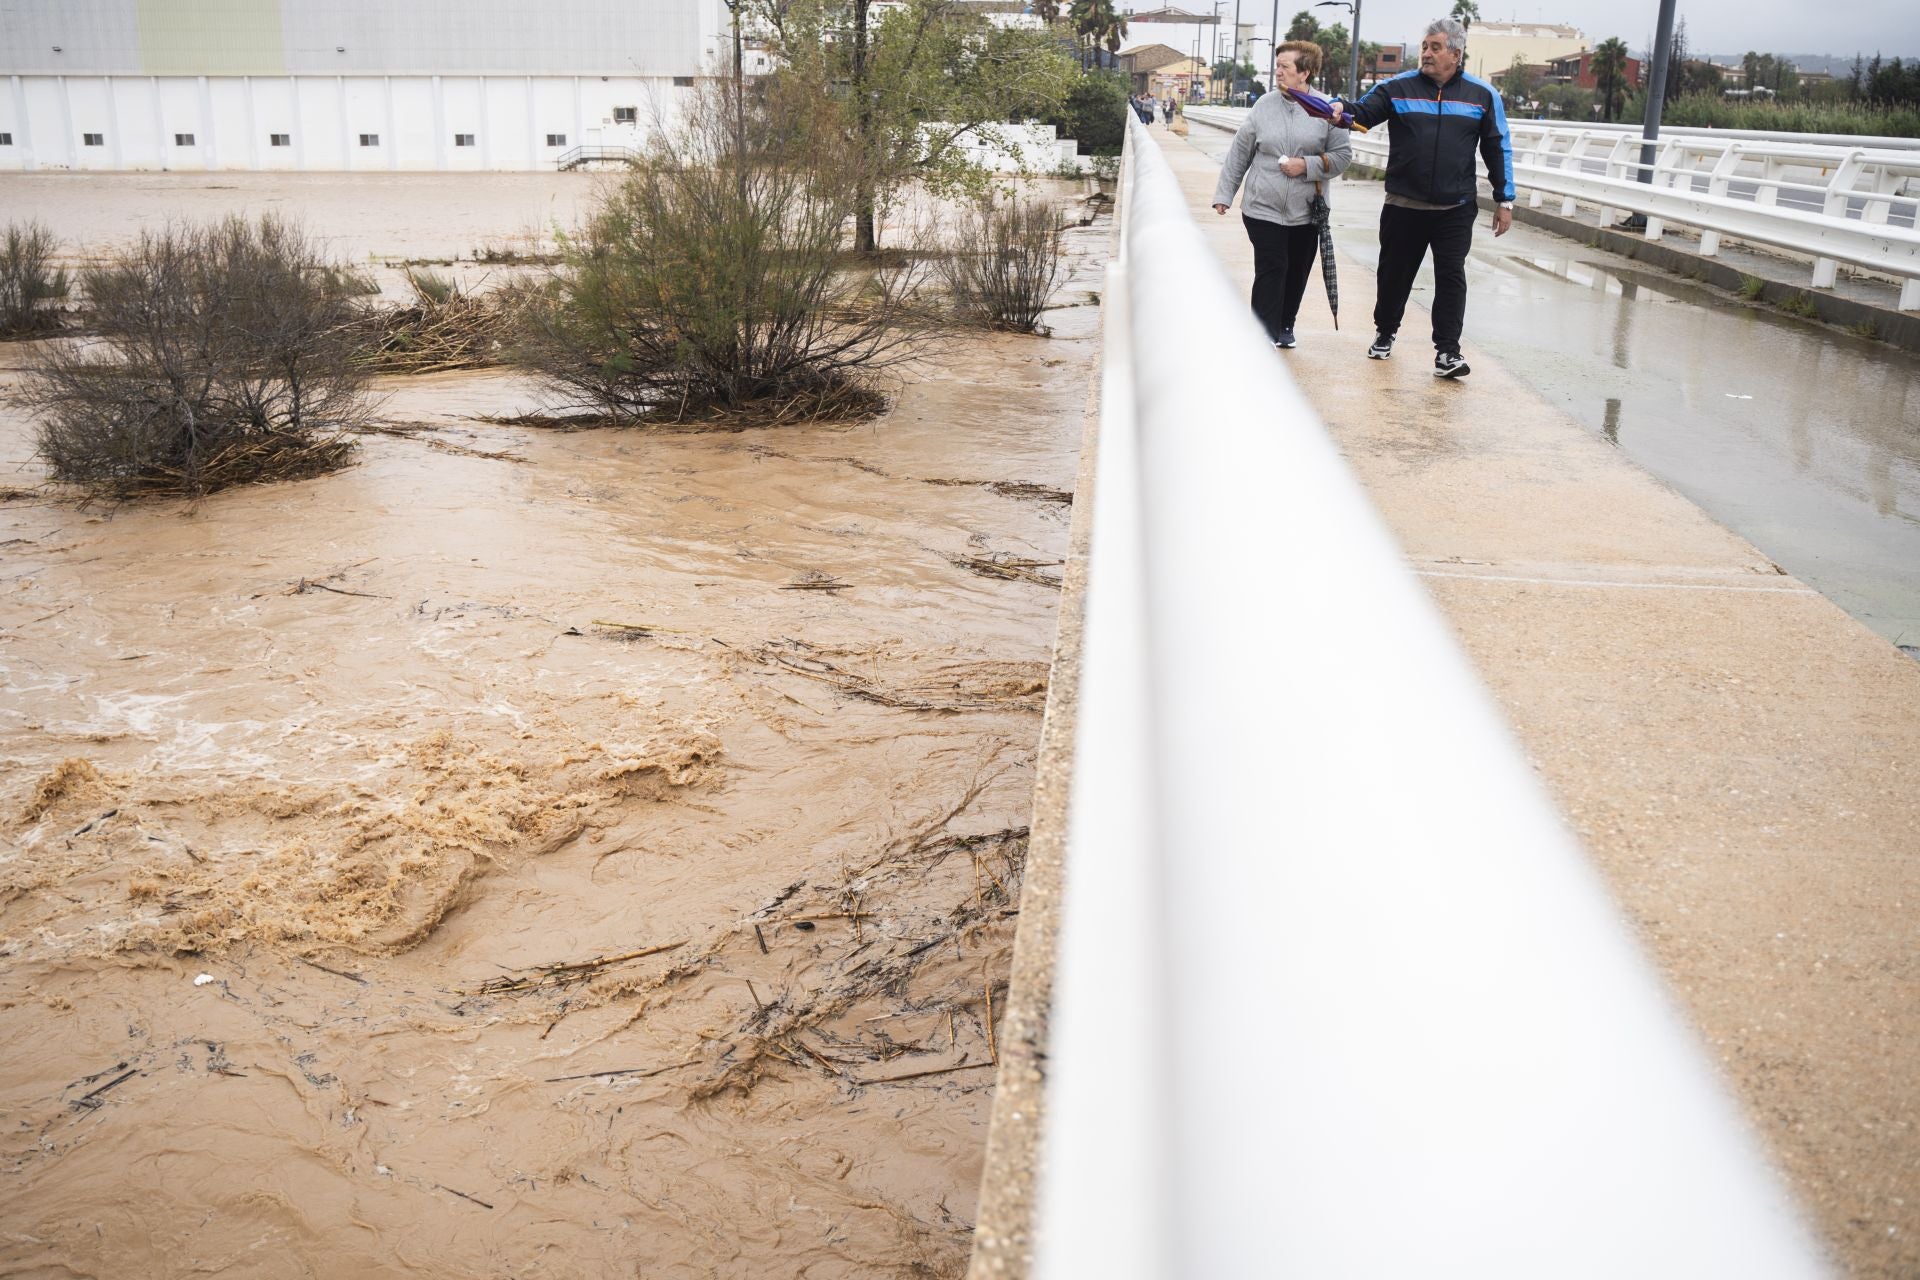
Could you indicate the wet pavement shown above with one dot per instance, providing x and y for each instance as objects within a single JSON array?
[
  {"x": 1734, "y": 752},
  {"x": 1801, "y": 438}
]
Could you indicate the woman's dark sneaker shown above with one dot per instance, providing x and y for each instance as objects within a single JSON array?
[
  {"x": 1382, "y": 346},
  {"x": 1285, "y": 340},
  {"x": 1449, "y": 365}
]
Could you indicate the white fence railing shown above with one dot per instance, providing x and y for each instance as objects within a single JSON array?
[
  {"x": 1337, "y": 995},
  {"x": 1833, "y": 204}
]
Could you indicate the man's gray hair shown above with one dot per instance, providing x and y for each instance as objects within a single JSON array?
[{"x": 1455, "y": 33}]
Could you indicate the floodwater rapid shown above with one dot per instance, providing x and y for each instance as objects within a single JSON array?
[{"x": 524, "y": 852}]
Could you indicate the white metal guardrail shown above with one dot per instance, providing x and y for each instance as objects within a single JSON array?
[
  {"x": 1337, "y": 995},
  {"x": 1833, "y": 204},
  {"x": 1878, "y": 143}
]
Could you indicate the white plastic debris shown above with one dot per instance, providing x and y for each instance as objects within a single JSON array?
[{"x": 203, "y": 980}]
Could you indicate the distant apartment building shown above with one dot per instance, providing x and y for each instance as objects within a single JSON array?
[
  {"x": 1161, "y": 70},
  {"x": 1492, "y": 46},
  {"x": 342, "y": 84},
  {"x": 1577, "y": 69}
]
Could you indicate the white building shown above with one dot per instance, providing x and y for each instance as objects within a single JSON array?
[
  {"x": 1493, "y": 46},
  {"x": 342, "y": 84}
]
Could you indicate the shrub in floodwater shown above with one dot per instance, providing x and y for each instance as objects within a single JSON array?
[
  {"x": 1008, "y": 264},
  {"x": 224, "y": 357},
  {"x": 28, "y": 282},
  {"x": 713, "y": 282}
]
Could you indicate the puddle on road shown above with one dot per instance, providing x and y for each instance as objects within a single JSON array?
[
  {"x": 502, "y": 857},
  {"x": 1804, "y": 441}
]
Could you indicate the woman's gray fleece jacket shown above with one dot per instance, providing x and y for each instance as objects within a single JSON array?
[{"x": 1276, "y": 128}]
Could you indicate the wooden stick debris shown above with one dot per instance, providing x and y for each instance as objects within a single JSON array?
[
  {"x": 935, "y": 1071},
  {"x": 640, "y": 1073},
  {"x": 561, "y": 974},
  {"x": 90, "y": 1101},
  {"x": 338, "y": 973},
  {"x": 463, "y": 1195}
]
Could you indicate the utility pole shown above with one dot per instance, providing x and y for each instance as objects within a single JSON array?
[
  {"x": 1236, "y": 41},
  {"x": 1353, "y": 59},
  {"x": 1657, "y": 90}
]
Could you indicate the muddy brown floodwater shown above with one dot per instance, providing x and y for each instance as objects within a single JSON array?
[{"x": 529, "y": 853}]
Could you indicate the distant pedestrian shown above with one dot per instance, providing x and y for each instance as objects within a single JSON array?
[
  {"x": 1436, "y": 116},
  {"x": 1285, "y": 158},
  {"x": 1166, "y": 111}
]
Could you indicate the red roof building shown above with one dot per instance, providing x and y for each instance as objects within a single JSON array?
[{"x": 1577, "y": 68}]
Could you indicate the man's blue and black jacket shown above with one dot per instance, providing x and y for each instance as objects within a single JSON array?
[{"x": 1434, "y": 129}]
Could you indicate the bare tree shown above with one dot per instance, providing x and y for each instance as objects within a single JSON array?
[
  {"x": 225, "y": 357},
  {"x": 1008, "y": 264}
]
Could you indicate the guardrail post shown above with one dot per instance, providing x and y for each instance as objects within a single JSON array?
[
  {"x": 1615, "y": 168},
  {"x": 1910, "y": 294},
  {"x": 1574, "y": 162},
  {"x": 1663, "y": 163},
  {"x": 1826, "y": 270},
  {"x": 1885, "y": 182},
  {"x": 1723, "y": 171}
]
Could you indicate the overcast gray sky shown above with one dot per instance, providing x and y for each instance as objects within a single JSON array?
[{"x": 1713, "y": 26}]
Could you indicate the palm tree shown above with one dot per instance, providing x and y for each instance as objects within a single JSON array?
[
  {"x": 1096, "y": 22},
  {"x": 1465, "y": 12},
  {"x": 1609, "y": 74},
  {"x": 1305, "y": 27}
]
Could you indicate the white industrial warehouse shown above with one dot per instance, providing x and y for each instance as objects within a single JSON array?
[{"x": 341, "y": 84}]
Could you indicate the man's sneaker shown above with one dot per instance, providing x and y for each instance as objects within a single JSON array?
[
  {"x": 1382, "y": 346},
  {"x": 1285, "y": 341},
  {"x": 1449, "y": 365}
]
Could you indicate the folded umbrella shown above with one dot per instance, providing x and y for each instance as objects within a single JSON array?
[
  {"x": 1319, "y": 106},
  {"x": 1321, "y": 217}
]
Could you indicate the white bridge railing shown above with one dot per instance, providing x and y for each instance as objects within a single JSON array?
[
  {"x": 1832, "y": 203},
  {"x": 1337, "y": 994}
]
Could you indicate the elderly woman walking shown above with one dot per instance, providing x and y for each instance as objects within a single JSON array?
[{"x": 1285, "y": 157}]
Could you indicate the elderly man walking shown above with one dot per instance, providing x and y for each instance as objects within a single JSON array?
[{"x": 1436, "y": 118}]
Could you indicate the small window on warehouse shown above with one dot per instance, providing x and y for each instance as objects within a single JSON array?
[
  {"x": 556, "y": 139},
  {"x": 369, "y": 139},
  {"x": 6, "y": 139},
  {"x": 462, "y": 139},
  {"x": 683, "y": 82},
  {"x": 280, "y": 139},
  {"x": 626, "y": 115},
  {"x": 93, "y": 139},
  {"x": 182, "y": 139}
]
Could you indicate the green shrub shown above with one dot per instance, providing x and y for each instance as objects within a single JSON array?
[
  {"x": 1800, "y": 305},
  {"x": 1711, "y": 111},
  {"x": 1095, "y": 113},
  {"x": 712, "y": 282},
  {"x": 27, "y": 282},
  {"x": 1751, "y": 287}
]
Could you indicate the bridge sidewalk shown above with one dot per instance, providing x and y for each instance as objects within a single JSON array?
[{"x": 1737, "y": 754}]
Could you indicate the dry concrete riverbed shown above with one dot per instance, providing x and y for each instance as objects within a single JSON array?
[{"x": 524, "y": 853}]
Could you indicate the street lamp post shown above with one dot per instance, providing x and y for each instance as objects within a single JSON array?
[
  {"x": 1254, "y": 40},
  {"x": 1353, "y": 42},
  {"x": 1218, "y": 5},
  {"x": 1236, "y": 37}
]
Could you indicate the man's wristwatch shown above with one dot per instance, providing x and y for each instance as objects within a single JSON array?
[{"x": 1506, "y": 204}]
